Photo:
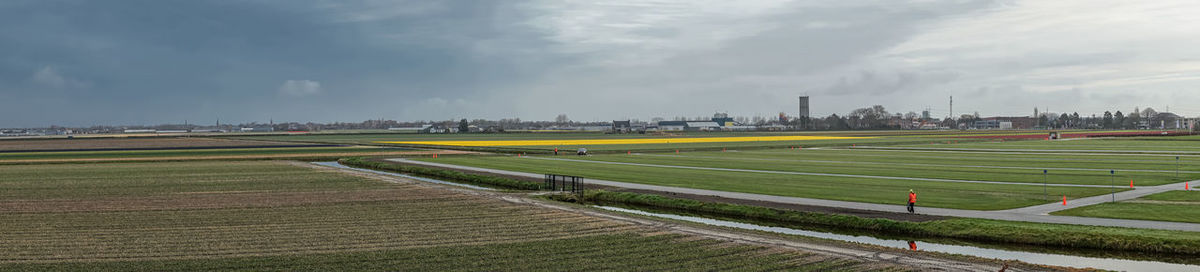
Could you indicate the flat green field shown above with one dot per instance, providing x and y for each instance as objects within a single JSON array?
[
  {"x": 288, "y": 216},
  {"x": 1165, "y": 145},
  {"x": 1062, "y": 169},
  {"x": 1176, "y": 206},
  {"x": 868, "y": 137},
  {"x": 956, "y": 195}
]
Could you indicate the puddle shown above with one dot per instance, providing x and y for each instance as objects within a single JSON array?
[
  {"x": 1028, "y": 257},
  {"x": 338, "y": 165}
]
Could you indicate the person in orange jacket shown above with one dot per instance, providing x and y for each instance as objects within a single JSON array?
[{"x": 912, "y": 200}]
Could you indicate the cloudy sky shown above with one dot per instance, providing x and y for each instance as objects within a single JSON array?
[{"x": 147, "y": 62}]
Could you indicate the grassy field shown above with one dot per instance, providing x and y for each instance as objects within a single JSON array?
[
  {"x": 1058, "y": 236},
  {"x": 865, "y": 137},
  {"x": 571, "y": 140},
  {"x": 1011, "y": 168},
  {"x": 1165, "y": 145},
  {"x": 872, "y": 190},
  {"x": 284, "y": 216},
  {"x": 1176, "y": 206}
]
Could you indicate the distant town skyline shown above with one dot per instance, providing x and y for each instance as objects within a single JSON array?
[{"x": 84, "y": 63}]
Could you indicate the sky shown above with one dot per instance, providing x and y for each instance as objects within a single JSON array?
[{"x": 83, "y": 63}]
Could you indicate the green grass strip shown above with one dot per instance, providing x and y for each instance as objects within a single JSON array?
[{"x": 984, "y": 230}]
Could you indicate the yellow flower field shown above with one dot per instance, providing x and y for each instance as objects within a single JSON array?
[{"x": 621, "y": 141}]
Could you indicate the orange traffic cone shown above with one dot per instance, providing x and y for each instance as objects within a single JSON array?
[
  {"x": 1064, "y": 200},
  {"x": 1131, "y": 183}
]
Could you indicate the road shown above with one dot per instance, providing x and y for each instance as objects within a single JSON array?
[{"x": 1028, "y": 214}]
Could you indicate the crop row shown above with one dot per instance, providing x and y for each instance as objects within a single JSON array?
[
  {"x": 332, "y": 227},
  {"x": 621, "y": 252}
]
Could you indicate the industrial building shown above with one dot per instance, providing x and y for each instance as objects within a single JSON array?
[
  {"x": 1000, "y": 122},
  {"x": 688, "y": 125}
]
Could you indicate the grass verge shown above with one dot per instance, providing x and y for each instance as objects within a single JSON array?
[
  {"x": 1173, "y": 206},
  {"x": 983, "y": 230}
]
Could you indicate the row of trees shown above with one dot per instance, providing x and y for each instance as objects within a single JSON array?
[{"x": 1136, "y": 119}]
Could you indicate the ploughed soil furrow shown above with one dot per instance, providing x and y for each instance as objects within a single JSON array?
[
  {"x": 211, "y": 201},
  {"x": 349, "y": 230},
  {"x": 130, "y": 143},
  {"x": 371, "y": 220},
  {"x": 259, "y": 245},
  {"x": 394, "y": 227}
]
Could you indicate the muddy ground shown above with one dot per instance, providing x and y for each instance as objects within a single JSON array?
[{"x": 91, "y": 144}]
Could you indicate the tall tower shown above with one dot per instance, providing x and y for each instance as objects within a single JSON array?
[
  {"x": 804, "y": 107},
  {"x": 952, "y": 107},
  {"x": 804, "y": 116}
]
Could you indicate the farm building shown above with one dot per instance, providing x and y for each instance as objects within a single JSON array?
[
  {"x": 258, "y": 129},
  {"x": 420, "y": 129},
  {"x": 622, "y": 126},
  {"x": 688, "y": 125},
  {"x": 1001, "y": 122}
]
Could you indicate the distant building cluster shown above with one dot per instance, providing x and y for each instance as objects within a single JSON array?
[{"x": 868, "y": 118}]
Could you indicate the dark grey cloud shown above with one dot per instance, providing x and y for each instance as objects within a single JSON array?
[
  {"x": 141, "y": 62},
  {"x": 166, "y": 61}
]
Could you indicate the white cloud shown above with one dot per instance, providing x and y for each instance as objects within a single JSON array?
[
  {"x": 50, "y": 77},
  {"x": 624, "y": 33},
  {"x": 1099, "y": 47},
  {"x": 300, "y": 88}
]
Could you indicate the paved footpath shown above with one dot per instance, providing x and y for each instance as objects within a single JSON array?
[
  {"x": 1028, "y": 214},
  {"x": 816, "y": 174}
]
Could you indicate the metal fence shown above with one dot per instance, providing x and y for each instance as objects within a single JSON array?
[{"x": 564, "y": 183}]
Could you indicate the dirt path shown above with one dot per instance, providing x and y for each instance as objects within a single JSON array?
[{"x": 919, "y": 261}]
